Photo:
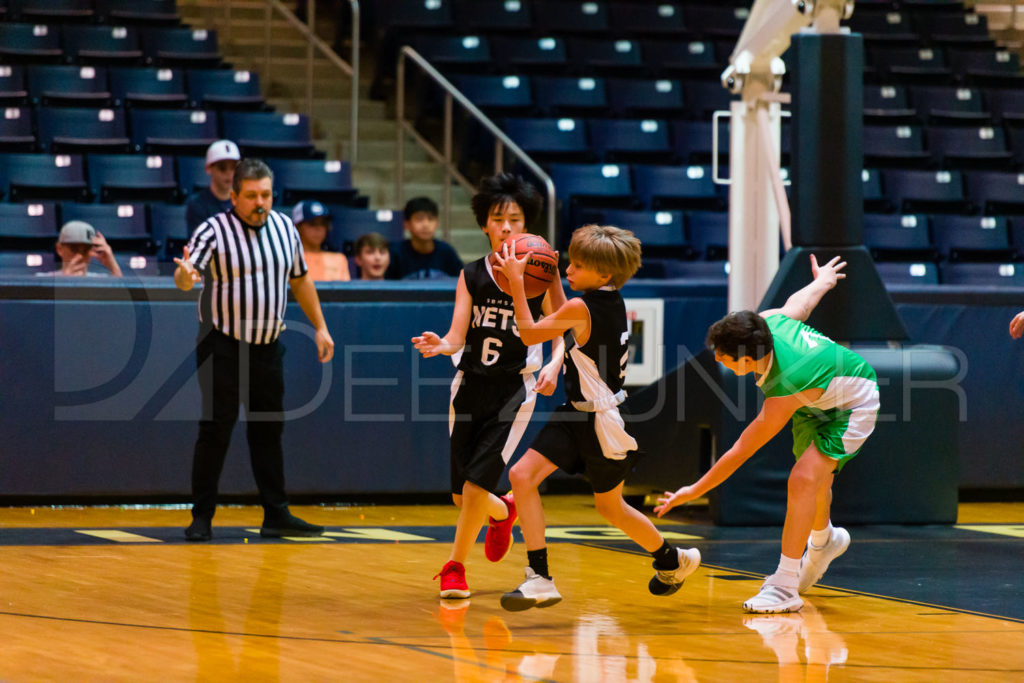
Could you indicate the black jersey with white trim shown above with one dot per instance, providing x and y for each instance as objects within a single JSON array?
[
  {"x": 493, "y": 346},
  {"x": 603, "y": 360}
]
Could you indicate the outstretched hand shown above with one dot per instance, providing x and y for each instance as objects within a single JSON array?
[
  {"x": 670, "y": 500},
  {"x": 509, "y": 264},
  {"x": 187, "y": 266},
  {"x": 428, "y": 344},
  {"x": 828, "y": 274}
]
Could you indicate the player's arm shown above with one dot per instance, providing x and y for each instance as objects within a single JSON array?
[
  {"x": 572, "y": 315},
  {"x": 800, "y": 304},
  {"x": 774, "y": 415},
  {"x": 304, "y": 290},
  {"x": 547, "y": 378},
  {"x": 430, "y": 345}
]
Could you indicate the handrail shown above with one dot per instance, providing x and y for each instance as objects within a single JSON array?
[
  {"x": 501, "y": 139},
  {"x": 314, "y": 43}
]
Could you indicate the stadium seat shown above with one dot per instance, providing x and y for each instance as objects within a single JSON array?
[
  {"x": 887, "y": 26},
  {"x": 957, "y": 105},
  {"x": 173, "y": 131},
  {"x": 137, "y": 265},
  {"x": 987, "y": 67},
  {"x": 566, "y": 96},
  {"x": 637, "y": 97},
  {"x": 647, "y": 19},
  {"x": 591, "y": 185},
  {"x": 972, "y": 238},
  {"x": 192, "y": 174},
  {"x": 953, "y": 28},
  {"x": 268, "y": 133},
  {"x": 928, "y": 191},
  {"x": 1006, "y": 105},
  {"x": 631, "y": 140},
  {"x": 722, "y": 20},
  {"x": 566, "y": 16},
  {"x": 122, "y": 225},
  {"x": 77, "y": 130},
  {"x": 996, "y": 192},
  {"x": 28, "y": 226},
  {"x": 132, "y": 177},
  {"x": 402, "y": 14},
  {"x": 871, "y": 189},
  {"x": 326, "y": 181},
  {"x": 498, "y": 95},
  {"x": 546, "y": 54},
  {"x": 606, "y": 56},
  {"x": 911, "y": 64},
  {"x": 887, "y": 104},
  {"x": 493, "y": 15},
  {"x": 677, "y": 187},
  {"x": 349, "y": 224},
  {"x": 16, "y": 130},
  {"x": 102, "y": 45},
  {"x": 42, "y": 176},
  {"x": 959, "y": 147},
  {"x": 918, "y": 273},
  {"x": 150, "y": 12},
  {"x": 708, "y": 234},
  {"x": 225, "y": 89},
  {"x": 661, "y": 232},
  {"x": 148, "y": 87},
  {"x": 29, "y": 43},
  {"x": 455, "y": 54},
  {"x": 182, "y": 47},
  {"x": 897, "y": 237},
  {"x": 55, "y": 11},
  {"x": 696, "y": 270},
  {"x": 703, "y": 98},
  {"x": 81, "y": 86},
  {"x": 894, "y": 145},
  {"x": 546, "y": 140},
  {"x": 167, "y": 224},
  {"x": 681, "y": 57},
  {"x": 27, "y": 263},
  {"x": 12, "y": 85},
  {"x": 983, "y": 274}
]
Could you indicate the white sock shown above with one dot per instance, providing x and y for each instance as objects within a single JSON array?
[
  {"x": 789, "y": 565},
  {"x": 821, "y": 537}
]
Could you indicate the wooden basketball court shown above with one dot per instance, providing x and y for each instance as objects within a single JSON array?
[{"x": 116, "y": 594}]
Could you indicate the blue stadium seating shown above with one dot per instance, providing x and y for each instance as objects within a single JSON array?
[
  {"x": 916, "y": 273},
  {"x": 29, "y": 42},
  {"x": 913, "y": 190},
  {"x": 132, "y": 177},
  {"x": 947, "y": 104},
  {"x": 661, "y": 232},
  {"x": 461, "y": 53},
  {"x": 983, "y": 274},
  {"x": 173, "y": 131},
  {"x": 268, "y": 133},
  {"x": 637, "y": 97},
  {"x": 974, "y": 147},
  {"x": 12, "y": 85},
  {"x": 225, "y": 89},
  {"x": 42, "y": 176},
  {"x": 349, "y": 224},
  {"x": 148, "y": 87},
  {"x": 709, "y": 234},
  {"x": 546, "y": 140},
  {"x": 493, "y": 15},
  {"x": 102, "y": 44},
  {"x": 911, "y": 64},
  {"x": 124, "y": 226},
  {"x": 677, "y": 187},
  {"x": 996, "y": 192},
  {"x": 563, "y": 16},
  {"x": 722, "y": 20},
  {"x": 894, "y": 145},
  {"x": 681, "y": 57},
  {"x": 181, "y": 46},
  {"x": 606, "y": 56},
  {"x": 898, "y": 237},
  {"x": 498, "y": 95},
  {"x": 169, "y": 229},
  {"x": 887, "y": 104},
  {"x": 647, "y": 19},
  {"x": 69, "y": 85},
  {"x": 965, "y": 238},
  {"x": 150, "y": 12},
  {"x": 547, "y": 54},
  {"x": 326, "y": 181},
  {"x": 697, "y": 270},
  {"x": 57, "y": 11},
  {"x": 567, "y": 96},
  {"x": 26, "y": 263},
  {"x": 16, "y": 130},
  {"x": 631, "y": 140},
  {"x": 192, "y": 174},
  {"x": 28, "y": 226}
]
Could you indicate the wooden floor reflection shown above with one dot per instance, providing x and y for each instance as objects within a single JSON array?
[{"x": 308, "y": 611}]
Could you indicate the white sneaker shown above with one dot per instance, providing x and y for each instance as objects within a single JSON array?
[
  {"x": 535, "y": 591},
  {"x": 668, "y": 581},
  {"x": 815, "y": 561},
  {"x": 775, "y": 596}
]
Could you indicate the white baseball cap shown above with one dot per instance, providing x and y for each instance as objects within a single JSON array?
[
  {"x": 222, "y": 150},
  {"x": 76, "y": 232}
]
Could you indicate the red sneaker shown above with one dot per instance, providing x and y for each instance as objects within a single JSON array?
[
  {"x": 499, "y": 539},
  {"x": 453, "y": 581}
]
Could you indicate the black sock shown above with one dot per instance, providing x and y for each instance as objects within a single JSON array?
[
  {"x": 538, "y": 560},
  {"x": 666, "y": 557}
]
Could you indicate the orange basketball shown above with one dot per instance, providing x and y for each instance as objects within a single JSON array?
[{"x": 541, "y": 269}]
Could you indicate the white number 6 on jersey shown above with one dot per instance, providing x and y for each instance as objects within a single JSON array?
[{"x": 491, "y": 351}]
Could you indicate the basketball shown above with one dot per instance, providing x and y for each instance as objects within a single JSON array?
[{"x": 541, "y": 269}]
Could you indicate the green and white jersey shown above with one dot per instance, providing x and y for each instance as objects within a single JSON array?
[{"x": 804, "y": 358}]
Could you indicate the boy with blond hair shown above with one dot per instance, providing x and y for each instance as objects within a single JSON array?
[{"x": 587, "y": 434}]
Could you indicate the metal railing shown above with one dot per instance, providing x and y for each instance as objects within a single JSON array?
[
  {"x": 501, "y": 141},
  {"x": 313, "y": 45}
]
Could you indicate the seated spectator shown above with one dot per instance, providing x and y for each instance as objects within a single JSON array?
[
  {"x": 421, "y": 256},
  {"x": 77, "y": 245},
  {"x": 372, "y": 256},
  {"x": 313, "y": 220},
  {"x": 221, "y": 159}
]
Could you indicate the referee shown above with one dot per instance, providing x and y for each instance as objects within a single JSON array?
[{"x": 246, "y": 257}]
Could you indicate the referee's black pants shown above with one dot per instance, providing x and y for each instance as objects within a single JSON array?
[{"x": 233, "y": 372}]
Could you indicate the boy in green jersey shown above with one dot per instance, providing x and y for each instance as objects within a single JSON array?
[{"x": 831, "y": 395}]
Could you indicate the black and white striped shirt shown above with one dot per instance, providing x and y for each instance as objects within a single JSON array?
[{"x": 245, "y": 274}]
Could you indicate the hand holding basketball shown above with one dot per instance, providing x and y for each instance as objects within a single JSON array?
[{"x": 529, "y": 257}]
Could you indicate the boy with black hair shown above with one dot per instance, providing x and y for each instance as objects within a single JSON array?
[
  {"x": 494, "y": 390},
  {"x": 421, "y": 256},
  {"x": 588, "y": 434}
]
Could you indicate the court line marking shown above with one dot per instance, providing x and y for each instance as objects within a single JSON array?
[
  {"x": 851, "y": 591},
  {"x": 117, "y": 536},
  {"x": 453, "y": 658}
]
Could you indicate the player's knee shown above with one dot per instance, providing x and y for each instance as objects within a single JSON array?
[
  {"x": 802, "y": 483},
  {"x": 457, "y": 500},
  {"x": 609, "y": 508},
  {"x": 520, "y": 475}
]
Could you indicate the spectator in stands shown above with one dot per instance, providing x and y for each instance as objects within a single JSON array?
[
  {"x": 221, "y": 159},
  {"x": 313, "y": 220},
  {"x": 421, "y": 256},
  {"x": 372, "y": 256},
  {"x": 79, "y": 243}
]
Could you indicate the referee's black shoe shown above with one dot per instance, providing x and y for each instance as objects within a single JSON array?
[
  {"x": 289, "y": 525},
  {"x": 199, "y": 530}
]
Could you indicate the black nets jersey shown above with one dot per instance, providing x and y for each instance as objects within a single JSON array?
[
  {"x": 493, "y": 346},
  {"x": 598, "y": 368}
]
